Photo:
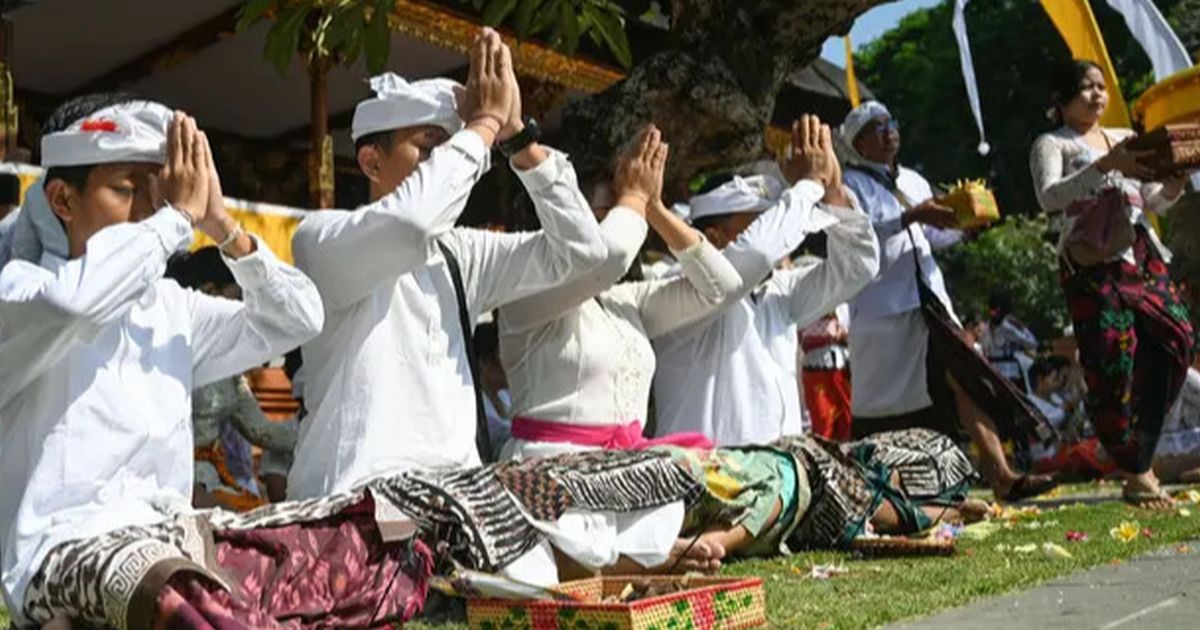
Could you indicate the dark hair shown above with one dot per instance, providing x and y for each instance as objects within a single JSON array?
[
  {"x": 65, "y": 116},
  {"x": 1047, "y": 365},
  {"x": 1000, "y": 304},
  {"x": 195, "y": 269},
  {"x": 487, "y": 342},
  {"x": 10, "y": 189},
  {"x": 381, "y": 140},
  {"x": 1065, "y": 82}
]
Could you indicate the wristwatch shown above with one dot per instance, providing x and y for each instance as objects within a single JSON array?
[{"x": 519, "y": 142}]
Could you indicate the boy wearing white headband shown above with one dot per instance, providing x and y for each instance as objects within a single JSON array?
[
  {"x": 733, "y": 375},
  {"x": 95, "y": 419},
  {"x": 389, "y": 383}
]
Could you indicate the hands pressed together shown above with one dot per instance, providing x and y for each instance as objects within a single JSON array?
[
  {"x": 188, "y": 181},
  {"x": 491, "y": 102}
]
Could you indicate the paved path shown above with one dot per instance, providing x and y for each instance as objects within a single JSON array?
[{"x": 1160, "y": 590}]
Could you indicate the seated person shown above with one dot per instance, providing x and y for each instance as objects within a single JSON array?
[
  {"x": 579, "y": 356},
  {"x": 225, "y": 414},
  {"x": 1077, "y": 453},
  {"x": 1177, "y": 459}
]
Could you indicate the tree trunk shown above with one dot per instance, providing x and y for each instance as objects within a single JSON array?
[
  {"x": 713, "y": 90},
  {"x": 320, "y": 161}
]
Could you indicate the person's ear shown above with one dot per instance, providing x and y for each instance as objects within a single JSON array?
[
  {"x": 370, "y": 162},
  {"x": 715, "y": 236},
  {"x": 63, "y": 199}
]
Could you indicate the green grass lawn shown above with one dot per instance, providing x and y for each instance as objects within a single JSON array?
[{"x": 876, "y": 592}]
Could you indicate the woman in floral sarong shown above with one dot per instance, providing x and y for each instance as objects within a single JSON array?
[{"x": 1135, "y": 341}]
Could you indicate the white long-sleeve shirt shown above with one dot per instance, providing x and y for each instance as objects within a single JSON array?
[
  {"x": 894, "y": 291},
  {"x": 733, "y": 375},
  {"x": 101, "y": 356},
  {"x": 387, "y": 384},
  {"x": 580, "y": 353}
]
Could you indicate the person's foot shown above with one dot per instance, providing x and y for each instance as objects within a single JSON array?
[
  {"x": 704, "y": 557},
  {"x": 58, "y": 623},
  {"x": 974, "y": 510},
  {"x": 1142, "y": 491},
  {"x": 1190, "y": 476},
  {"x": 1020, "y": 487}
]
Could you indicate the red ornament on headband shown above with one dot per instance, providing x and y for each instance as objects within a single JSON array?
[{"x": 99, "y": 125}]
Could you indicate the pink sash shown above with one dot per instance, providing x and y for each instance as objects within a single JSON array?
[{"x": 610, "y": 437}]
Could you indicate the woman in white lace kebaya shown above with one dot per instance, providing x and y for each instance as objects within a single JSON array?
[
  {"x": 578, "y": 357},
  {"x": 1135, "y": 340}
]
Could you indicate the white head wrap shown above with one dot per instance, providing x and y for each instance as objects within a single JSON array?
[
  {"x": 858, "y": 118},
  {"x": 398, "y": 104},
  {"x": 740, "y": 194},
  {"x": 135, "y": 131}
]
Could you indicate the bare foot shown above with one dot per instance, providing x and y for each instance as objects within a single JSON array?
[
  {"x": 58, "y": 623},
  {"x": 974, "y": 510},
  {"x": 1142, "y": 490},
  {"x": 705, "y": 556},
  {"x": 1019, "y": 487}
]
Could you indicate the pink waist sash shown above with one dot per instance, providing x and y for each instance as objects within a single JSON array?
[{"x": 611, "y": 437}]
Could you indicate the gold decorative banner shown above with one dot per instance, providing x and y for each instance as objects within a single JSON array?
[{"x": 447, "y": 30}]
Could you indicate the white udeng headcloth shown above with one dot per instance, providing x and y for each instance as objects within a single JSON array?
[
  {"x": 740, "y": 194},
  {"x": 398, "y": 104},
  {"x": 859, "y": 117},
  {"x": 135, "y": 131}
]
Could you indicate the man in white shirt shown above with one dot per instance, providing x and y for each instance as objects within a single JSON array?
[
  {"x": 95, "y": 415},
  {"x": 388, "y": 383},
  {"x": 889, "y": 335},
  {"x": 733, "y": 375}
]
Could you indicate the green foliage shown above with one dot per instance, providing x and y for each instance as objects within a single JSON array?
[
  {"x": 1016, "y": 256},
  {"x": 563, "y": 23},
  {"x": 325, "y": 32},
  {"x": 914, "y": 69}
]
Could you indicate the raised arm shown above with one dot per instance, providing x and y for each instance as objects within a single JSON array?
[
  {"x": 708, "y": 279},
  {"x": 351, "y": 253},
  {"x": 810, "y": 292},
  {"x": 638, "y": 179},
  {"x": 280, "y": 307},
  {"x": 501, "y": 268},
  {"x": 43, "y": 312}
]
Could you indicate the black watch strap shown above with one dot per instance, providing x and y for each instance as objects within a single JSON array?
[{"x": 514, "y": 145}]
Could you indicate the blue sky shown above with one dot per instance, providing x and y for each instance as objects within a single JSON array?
[{"x": 871, "y": 25}]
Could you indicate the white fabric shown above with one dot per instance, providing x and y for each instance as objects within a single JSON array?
[
  {"x": 1057, "y": 415},
  {"x": 580, "y": 353},
  {"x": 95, "y": 416},
  {"x": 959, "y": 24},
  {"x": 1167, "y": 53},
  {"x": 889, "y": 375},
  {"x": 599, "y": 539},
  {"x": 859, "y": 117},
  {"x": 387, "y": 384},
  {"x": 7, "y": 226},
  {"x": 398, "y": 104},
  {"x": 499, "y": 422},
  {"x": 128, "y": 132},
  {"x": 894, "y": 291},
  {"x": 1064, "y": 171},
  {"x": 1181, "y": 431},
  {"x": 1148, "y": 26},
  {"x": 1004, "y": 342},
  {"x": 732, "y": 376},
  {"x": 740, "y": 194}
]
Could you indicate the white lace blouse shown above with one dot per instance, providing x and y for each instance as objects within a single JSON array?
[
  {"x": 1064, "y": 171},
  {"x": 580, "y": 354}
]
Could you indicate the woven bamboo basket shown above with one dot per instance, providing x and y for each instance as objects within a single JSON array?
[{"x": 710, "y": 603}]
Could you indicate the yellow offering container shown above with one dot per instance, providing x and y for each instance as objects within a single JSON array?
[
  {"x": 1175, "y": 99},
  {"x": 973, "y": 203}
]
